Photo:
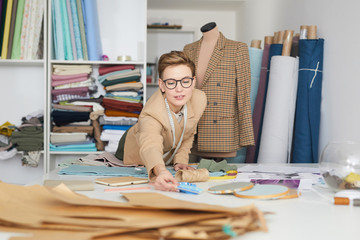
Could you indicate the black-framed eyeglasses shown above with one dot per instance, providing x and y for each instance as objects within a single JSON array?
[{"x": 185, "y": 82}]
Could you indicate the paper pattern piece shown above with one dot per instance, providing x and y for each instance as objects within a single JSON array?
[{"x": 48, "y": 212}]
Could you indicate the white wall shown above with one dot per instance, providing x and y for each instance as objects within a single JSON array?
[
  {"x": 190, "y": 19},
  {"x": 337, "y": 23}
]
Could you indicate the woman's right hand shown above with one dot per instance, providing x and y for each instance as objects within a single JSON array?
[{"x": 165, "y": 180}]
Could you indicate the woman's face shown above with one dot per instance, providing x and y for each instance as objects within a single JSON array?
[{"x": 178, "y": 96}]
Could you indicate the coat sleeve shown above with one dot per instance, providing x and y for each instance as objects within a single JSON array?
[
  {"x": 243, "y": 89},
  {"x": 150, "y": 140}
]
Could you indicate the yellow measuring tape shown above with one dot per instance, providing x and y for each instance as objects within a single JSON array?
[{"x": 229, "y": 175}]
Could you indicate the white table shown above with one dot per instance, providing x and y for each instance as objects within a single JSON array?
[{"x": 308, "y": 217}]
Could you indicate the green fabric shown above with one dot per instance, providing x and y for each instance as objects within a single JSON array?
[
  {"x": 214, "y": 166},
  {"x": 2, "y": 24},
  {"x": 120, "y": 80},
  {"x": 82, "y": 29},
  {"x": 16, "y": 48},
  {"x": 120, "y": 150},
  {"x": 66, "y": 31}
]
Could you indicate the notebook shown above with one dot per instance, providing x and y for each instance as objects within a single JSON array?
[
  {"x": 75, "y": 185},
  {"x": 121, "y": 181}
]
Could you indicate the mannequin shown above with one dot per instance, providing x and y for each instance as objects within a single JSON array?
[
  {"x": 210, "y": 36},
  {"x": 223, "y": 73}
]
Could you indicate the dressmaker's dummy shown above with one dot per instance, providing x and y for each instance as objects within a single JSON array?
[{"x": 223, "y": 73}]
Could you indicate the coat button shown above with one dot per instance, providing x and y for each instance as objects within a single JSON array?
[
  {"x": 218, "y": 84},
  {"x": 215, "y": 103},
  {"x": 215, "y": 121}
]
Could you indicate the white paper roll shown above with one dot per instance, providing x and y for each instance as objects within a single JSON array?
[{"x": 277, "y": 129}]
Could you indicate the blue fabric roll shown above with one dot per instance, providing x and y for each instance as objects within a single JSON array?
[
  {"x": 255, "y": 56},
  {"x": 59, "y": 41},
  {"x": 307, "y": 115},
  {"x": 92, "y": 30},
  {"x": 75, "y": 17}
]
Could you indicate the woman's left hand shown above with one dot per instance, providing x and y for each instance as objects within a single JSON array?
[{"x": 182, "y": 166}]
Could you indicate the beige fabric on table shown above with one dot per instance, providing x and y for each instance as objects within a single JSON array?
[{"x": 196, "y": 175}]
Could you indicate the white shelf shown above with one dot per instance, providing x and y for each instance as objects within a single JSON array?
[
  {"x": 73, "y": 153},
  {"x": 98, "y": 62},
  {"x": 193, "y": 5},
  {"x": 17, "y": 62},
  {"x": 170, "y": 30}
]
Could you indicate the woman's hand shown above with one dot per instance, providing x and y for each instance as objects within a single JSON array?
[
  {"x": 164, "y": 180},
  {"x": 182, "y": 166}
]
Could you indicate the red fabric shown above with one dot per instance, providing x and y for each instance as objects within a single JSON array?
[
  {"x": 121, "y": 105},
  {"x": 107, "y": 69}
]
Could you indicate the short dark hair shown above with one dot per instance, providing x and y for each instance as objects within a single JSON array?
[{"x": 174, "y": 58}]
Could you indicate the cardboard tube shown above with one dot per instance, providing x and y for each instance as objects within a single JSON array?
[
  {"x": 256, "y": 44},
  {"x": 311, "y": 32},
  {"x": 303, "y": 32},
  {"x": 268, "y": 40},
  {"x": 276, "y": 36},
  {"x": 281, "y": 37},
  {"x": 288, "y": 37}
]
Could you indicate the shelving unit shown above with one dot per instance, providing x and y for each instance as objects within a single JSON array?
[
  {"x": 119, "y": 36},
  {"x": 17, "y": 77}
]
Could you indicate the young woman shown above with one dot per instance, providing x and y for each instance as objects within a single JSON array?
[{"x": 165, "y": 130}]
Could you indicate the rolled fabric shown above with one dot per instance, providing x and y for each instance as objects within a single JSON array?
[
  {"x": 277, "y": 130},
  {"x": 307, "y": 120},
  {"x": 269, "y": 51},
  {"x": 92, "y": 30},
  {"x": 255, "y": 56},
  {"x": 196, "y": 175},
  {"x": 15, "y": 52}
]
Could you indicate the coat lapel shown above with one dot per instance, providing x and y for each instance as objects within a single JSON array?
[{"x": 216, "y": 56}]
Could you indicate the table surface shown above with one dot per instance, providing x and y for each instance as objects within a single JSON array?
[{"x": 311, "y": 216}]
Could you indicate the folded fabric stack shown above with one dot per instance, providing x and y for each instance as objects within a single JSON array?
[
  {"x": 122, "y": 101},
  {"x": 73, "y": 107},
  {"x": 7, "y": 149},
  {"x": 29, "y": 137}
]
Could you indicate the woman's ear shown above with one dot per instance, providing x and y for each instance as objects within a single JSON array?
[
  {"x": 194, "y": 83},
  {"x": 161, "y": 85}
]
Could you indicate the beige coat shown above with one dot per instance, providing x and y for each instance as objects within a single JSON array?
[{"x": 151, "y": 136}]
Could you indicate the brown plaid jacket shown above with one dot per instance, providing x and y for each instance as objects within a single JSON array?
[{"x": 226, "y": 124}]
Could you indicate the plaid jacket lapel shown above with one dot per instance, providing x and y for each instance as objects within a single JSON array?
[{"x": 215, "y": 58}]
